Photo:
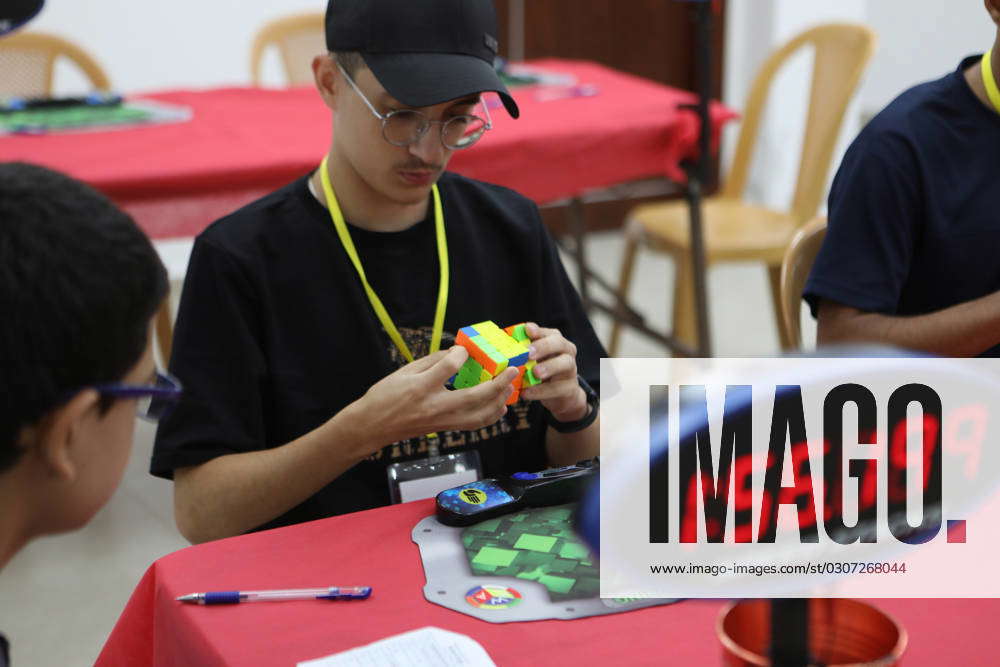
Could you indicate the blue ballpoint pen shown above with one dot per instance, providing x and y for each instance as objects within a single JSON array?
[{"x": 233, "y": 597}]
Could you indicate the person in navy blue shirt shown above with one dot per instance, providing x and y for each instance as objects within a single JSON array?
[{"x": 911, "y": 253}]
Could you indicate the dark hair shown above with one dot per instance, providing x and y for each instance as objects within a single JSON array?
[
  {"x": 79, "y": 282},
  {"x": 351, "y": 61}
]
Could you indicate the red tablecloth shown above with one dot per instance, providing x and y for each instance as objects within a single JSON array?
[
  {"x": 243, "y": 142},
  {"x": 374, "y": 548}
]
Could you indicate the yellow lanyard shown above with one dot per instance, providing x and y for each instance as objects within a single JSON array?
[
  {"x": 992, "y": 91},
  {"x": 380, "y": 311}
]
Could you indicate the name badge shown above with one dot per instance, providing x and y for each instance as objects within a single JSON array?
[{"x": 425, "y": 478}]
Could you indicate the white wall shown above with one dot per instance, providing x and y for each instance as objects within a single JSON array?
[
  {"x": 918, "y": 40},
  {"x": 146, "y": 45},
  {"x": 755, "y": 29},
  {"x": 921, "y": 40}
]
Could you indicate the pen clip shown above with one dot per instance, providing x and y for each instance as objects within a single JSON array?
[{"x": 347, "y": 593}]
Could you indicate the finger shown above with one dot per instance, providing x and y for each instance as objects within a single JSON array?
[
  {"x": 555, "y": 389},
  {"x": 535, "y": 331},
  {"x": 499, "y": 388},
  {"x": 447, "y": 364},
  {"x": 559, "y": 367},
  {"x": 468, "y": 420},
  {"x": 423, "y": 363},
  {"x": 481, "y": 421},
  {"x": 480, "y": 405},
  {"x": 550, "y": 346},
  {"x": 532, "y": 329},
  {"x": 489, "y": 414}
]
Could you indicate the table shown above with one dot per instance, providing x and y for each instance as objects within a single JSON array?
[
  {"x": 374, "y": 548},
  {"x": 243, "y": 142}
]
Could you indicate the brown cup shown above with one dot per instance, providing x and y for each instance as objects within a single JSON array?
[{"x": 842, "y": 632}]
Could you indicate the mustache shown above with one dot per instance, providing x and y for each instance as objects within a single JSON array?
[{"x": 418, "y": 165}]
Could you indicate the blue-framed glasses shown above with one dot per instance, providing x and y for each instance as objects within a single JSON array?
[{"x": 154, "y": 400}]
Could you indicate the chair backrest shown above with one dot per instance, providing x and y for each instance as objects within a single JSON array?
[
  {"x": 298, "y": 39},
  {"x": 28, "y": 60},
  {"x": 795, "y": 268},
  {"x": 164, "y": 332},
  {"x": 841, "y": 54}
]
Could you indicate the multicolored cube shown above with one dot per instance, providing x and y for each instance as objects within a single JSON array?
[{"x": 491, "y": 351}]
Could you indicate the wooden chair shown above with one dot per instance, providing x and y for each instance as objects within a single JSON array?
[
  {"x": 733, "y": 229},
  {"x": 164, "y": 331},
  {"x": 28, "y": 60},
  {"x": 795, "y": 268},
  {"x": 298, "y": 39}
]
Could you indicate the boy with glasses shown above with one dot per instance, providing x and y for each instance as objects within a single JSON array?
[
  {"x": 316, "y": 326},
  {"x": 79, "y": 285}
]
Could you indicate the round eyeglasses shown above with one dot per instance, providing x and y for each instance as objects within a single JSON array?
[{"x": 405, "y": 127}]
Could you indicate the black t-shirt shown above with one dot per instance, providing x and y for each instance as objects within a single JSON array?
[
  {"x": 4, "y": 652},
  {"x": 914, "y": 224},
  {"x": 275, "y": 334}
]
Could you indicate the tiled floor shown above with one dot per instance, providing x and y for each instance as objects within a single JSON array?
[{"x": 60, "y": 597}]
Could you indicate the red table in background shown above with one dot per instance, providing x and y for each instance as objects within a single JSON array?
[
  {"x": 374, "y": 548},
  {"x": 243, "y": 142}
]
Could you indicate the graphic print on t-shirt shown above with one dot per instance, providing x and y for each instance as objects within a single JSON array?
[{"x": 419, "y": 342}]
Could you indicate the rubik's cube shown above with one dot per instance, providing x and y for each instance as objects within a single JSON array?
[{"x": 491, "y": 351}]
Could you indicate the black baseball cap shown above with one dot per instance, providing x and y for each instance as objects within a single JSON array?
[
  {"x": 15, "y": 13},
  {"x": 423, "y": 52}
]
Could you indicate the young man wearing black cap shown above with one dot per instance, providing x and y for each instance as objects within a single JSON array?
[
  {"x": 16, "y": 13},
  {"x": 301, "y": 313}
]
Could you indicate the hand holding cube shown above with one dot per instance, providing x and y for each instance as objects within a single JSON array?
[{"x": 492, "y": 350}]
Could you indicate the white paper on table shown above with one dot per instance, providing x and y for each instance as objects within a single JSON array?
[{"x": 426, "y": 646}]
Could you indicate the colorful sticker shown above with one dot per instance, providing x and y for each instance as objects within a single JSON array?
[
  {"x": 451, "y": 500},
  {"x": 493, "y": 597},
  {"x": 472, "y": 496}
]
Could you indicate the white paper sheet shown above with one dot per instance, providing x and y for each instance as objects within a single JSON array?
[{"x": 426, "y": 646}]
